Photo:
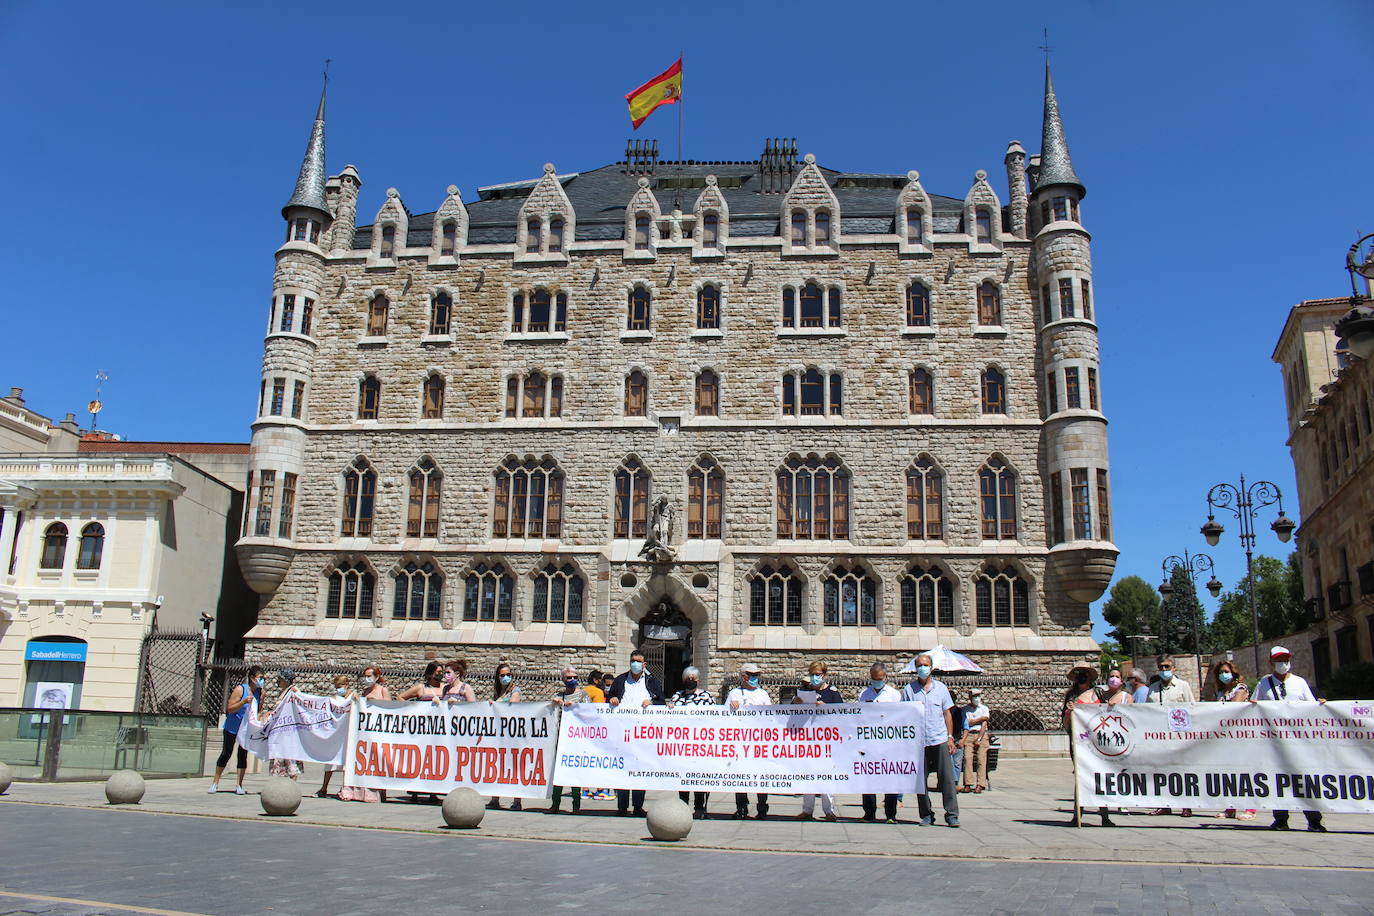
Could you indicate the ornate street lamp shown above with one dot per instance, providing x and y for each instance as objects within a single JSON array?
[
  {"x": 1356, "y": 327},
  {"x": 1243, "y": 502},
  {"x": 1194, "y": 564}
]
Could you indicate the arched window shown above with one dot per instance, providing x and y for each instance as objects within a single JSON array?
[
  {"x": 927, "y": 598},
  {"x": 533, "y": 234},
  {"x": 710, "y": 230},
  {"x": 705, "y": 499},
  {"x": 557, "y": 595},
  {"x": 377, "y": 311},
  {"x": 925, "y": 497},
  {"x": 636, "y": 394},
  {"x": 813, "y": 499},
  {"x": 799, "y": 228},
  {"x": 851, "y": 598},
  {"x": 823, "y": 227},
  {"x": 989, "y": 304},
  {"x": 917, "y": 306},
  {"x": 915, "y": 230},
  {"x": 921, "y": 400},
  {"x": 54, "y": 546},
  {"x": 419, "y": 592},
  {"x": 1002, "y": 597},
  {"x": 535, "y": 389},
  {"x": 369, "y": 398},
  {"x": 639, "y": 310},
  {"x": 267, "y": 489},
  {"x": 812, "y": 393},
  {"x": 92, "y": 546},
  {"x": 983, "y": 221},
  {"x": 352, "y": 587},
  {"x": 529, "y": 499},
  {"x": 642, "y": 232},
  {"x": 541, "y": 307},
  {"x": 489, "y": 593},
  {"x": 288, "y": 312},
  {"x": 556, "y": 234},
  {"x": 432, "y": 398},
  {"x": 422, "y": 518},
  {"x": 632, "y": 481},
  {"x": 812, "y": 310},
  {"x": 440, "y": 314},
  {"x": 360, "y": 493},
  {"x": 997, "y": 496},
  {"x": 775, "y": 597},
  {"x": 448, "y": 239},
  {"x": 811, "y": 306},
  {"x": 708, "y": 394},
  {"x": 994, "y": 391},
  {"x": 708, "y": 307},
  {"x": 517, "y": 313},
  {"x": 388, "y": 247}
]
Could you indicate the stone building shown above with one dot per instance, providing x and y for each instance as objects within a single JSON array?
[
  {"x": 1328, "y": 393},
  {"x": 733, "y": 409}
]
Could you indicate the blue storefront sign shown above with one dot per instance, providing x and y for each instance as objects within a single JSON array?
[{"x": 55, "y": 652}]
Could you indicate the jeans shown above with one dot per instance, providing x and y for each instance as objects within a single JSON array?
[{"x": 941, "y": 762}]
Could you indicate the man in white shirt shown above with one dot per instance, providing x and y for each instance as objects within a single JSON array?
[
  {"x": 1169, "y": 690},
  {"x": 1283, "y": 686},
  {"x": 939, "y": 741},
  {"x": 975, "y": 741},
  {"x": 635, "y": 689},
  {"x": 879, "y": 691},
  {"x": 749, "y": 693}
]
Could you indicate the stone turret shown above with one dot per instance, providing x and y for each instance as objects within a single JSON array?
[{"x": 1082, "y": 554}]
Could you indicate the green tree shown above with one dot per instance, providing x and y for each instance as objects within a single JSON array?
[
  {"x": 1133, "y": 604},
  {"x": 1110, "y": 655},
  {"x": 1278, "y": 598},
  {"x": 1180, "y": 614}
]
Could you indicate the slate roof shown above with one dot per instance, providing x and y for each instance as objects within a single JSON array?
[{"x": 868, "y": 203}]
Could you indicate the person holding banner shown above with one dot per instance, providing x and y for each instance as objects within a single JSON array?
[
  {"x": 1227, "y": 685},
  {"x": 1084, "y": 690},
  {"x": 1281, "y": 685},
  {"x": 939, "y": 741},
  {"x": 569, "y": 694},
  {"x": 504, "y": 690},
  {"x": 636, "y": 689},
  {"x": 880, "y": 691},
  {"x": 816, "y": 690},
  {"x": 374, "y": 685},
  {"x": 749, "y": 693},
  {"x": 342, "y": 698},
  {"x": 1139, "y": 685},
  {"x": 429, "y": 687},
  {"x": 456, "y": 690},
  {"x": 291, "y": 769},
  {"x": 1169, "y": 690},
  {"x": 240, "y": 698},
  {"x": 692, "y": 694}
]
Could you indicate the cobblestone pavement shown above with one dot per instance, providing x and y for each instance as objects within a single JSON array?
[
  {"x": 156, "y": 863},
  {"x": 1026, "y": 817}
]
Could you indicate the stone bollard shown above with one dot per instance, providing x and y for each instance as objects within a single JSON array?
[
  {"x": 6, "y": 777},
  {"x": 280, "y": 797},
  {"x": 463, "y": 808},
  {"x": 669, "y": 820},
  {"x": 124, "y": 787}
]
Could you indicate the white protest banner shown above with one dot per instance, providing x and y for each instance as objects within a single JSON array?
[
  {"x": 499, "y": 749},
  {"x": 302, "y": 727},
  {"x": 1305, "y": 756},
  {"x": 864, "y": 747}
]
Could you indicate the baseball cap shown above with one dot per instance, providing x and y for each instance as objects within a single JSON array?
[
  {"x": 1280, "y": 652},
  {"x": 750, "y": 668}
]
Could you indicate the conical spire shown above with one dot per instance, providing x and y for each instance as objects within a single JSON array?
[
  {"x": 310, "y": 183},
  {"x": 1056, "y": 167}
]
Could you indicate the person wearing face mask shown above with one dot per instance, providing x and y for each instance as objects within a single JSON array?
[
  {"x": 976, "y": 742},
  {"x": 1084, "y": 690},
  {"x": 456, "y": 690},
  {"x": 239, "y": 699},
  {"x": 374, "y": 685},
  {"x": 635, "y": 689},
  {"x": 939, "y": 741},
  {"x": 693, "y": 694},
  {"x": 596, "y": 693},
  {"x": 1281, "y": 685},
  {"x": 278, "y": 766},
  {"x": 1169, "y": 690},
  {"x": 504, "y": 690},
  {"x": 749, "y": 693},
  {"x": 341, "y": 699},
  {"x": 568, "y": 694},
  {"x": 429, "y": 687},
  {"x": 1139, "y": 685},
  {"x": 815, "y": 689},
  {"x": 1227, "y": 685},
  {"x": 880, "y": 691}
]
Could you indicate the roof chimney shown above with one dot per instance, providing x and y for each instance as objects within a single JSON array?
[
  {"x": 16, "y": 396},
  {"x": 641, "y": 156}
]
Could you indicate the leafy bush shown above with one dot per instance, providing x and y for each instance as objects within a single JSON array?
[{"x": 1353, "y": 682}]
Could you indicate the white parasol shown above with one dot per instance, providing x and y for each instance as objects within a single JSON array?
[{"x": 942, "y": 659}]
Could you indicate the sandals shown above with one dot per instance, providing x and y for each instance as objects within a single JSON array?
[
  {"x": 1247, "y": 815},
  {"x": 322, "y": 794}
]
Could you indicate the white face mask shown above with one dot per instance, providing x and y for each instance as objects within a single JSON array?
[{"x": 1282, "y": 667}]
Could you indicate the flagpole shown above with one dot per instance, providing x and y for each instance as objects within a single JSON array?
[{"x": 677, "y": 192}]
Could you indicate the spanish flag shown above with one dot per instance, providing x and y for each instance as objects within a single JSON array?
[{"x": 664, "y": 89}]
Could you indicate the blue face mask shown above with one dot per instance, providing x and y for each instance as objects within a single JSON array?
[
  {"x": 341, "y": 690},
  {"x": 505, "y": 679},
  {"x": 877, "y": 685},
  {"x": 1226, "y": 677},
  {"x": 570, "y": 683},
  {"x": 816, "y": 680},
  {"x": 636, "y": 667},
  {"x": 260, "y": 682},
  {"x": 923, "y": 671},
  {"x": 1165, "y": 675},
  {"x": 753, "y": 680}
]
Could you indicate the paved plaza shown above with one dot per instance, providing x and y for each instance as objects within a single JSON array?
[{"x": 1014, "y": 853}]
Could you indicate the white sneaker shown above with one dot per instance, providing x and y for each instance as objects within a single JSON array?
[
  {"x": 214, "y": 787},
  {"x": 240, "y": 790}
]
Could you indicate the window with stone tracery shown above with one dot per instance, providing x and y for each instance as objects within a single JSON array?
[
  {"x": 1002, "y": 597},
  {"x": 557, "y": 595},
  {"x": 419, "y": 592},
  {"x": 529, "y": 499},
  {"x": 775, "y": 597},
  {"x": 813, "y": 499}
]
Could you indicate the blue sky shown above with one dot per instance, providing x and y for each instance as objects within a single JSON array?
[{"x": 1225, "y": 147}]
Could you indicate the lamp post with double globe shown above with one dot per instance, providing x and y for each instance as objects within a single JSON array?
[{"x": 1194, "y": 564}]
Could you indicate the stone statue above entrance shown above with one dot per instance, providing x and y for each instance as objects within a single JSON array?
[{"x": 657, "y": 546}]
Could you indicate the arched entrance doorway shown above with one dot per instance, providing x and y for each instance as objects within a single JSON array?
[{"x": 665, "y": 635}]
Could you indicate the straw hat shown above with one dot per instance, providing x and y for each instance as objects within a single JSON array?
[{"x": 1073, "y": 672}]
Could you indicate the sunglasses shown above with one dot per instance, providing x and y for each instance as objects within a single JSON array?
[{"x": 1166, "y": 667}]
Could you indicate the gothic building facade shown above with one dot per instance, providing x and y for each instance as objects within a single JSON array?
[{"x": 725, "y": 410}]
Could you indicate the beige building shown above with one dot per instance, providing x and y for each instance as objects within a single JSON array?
[
  {"x": 737, "y": 409},
  {"x": 1328, "y": 394},
  {"x": 102, "y": 541}
]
